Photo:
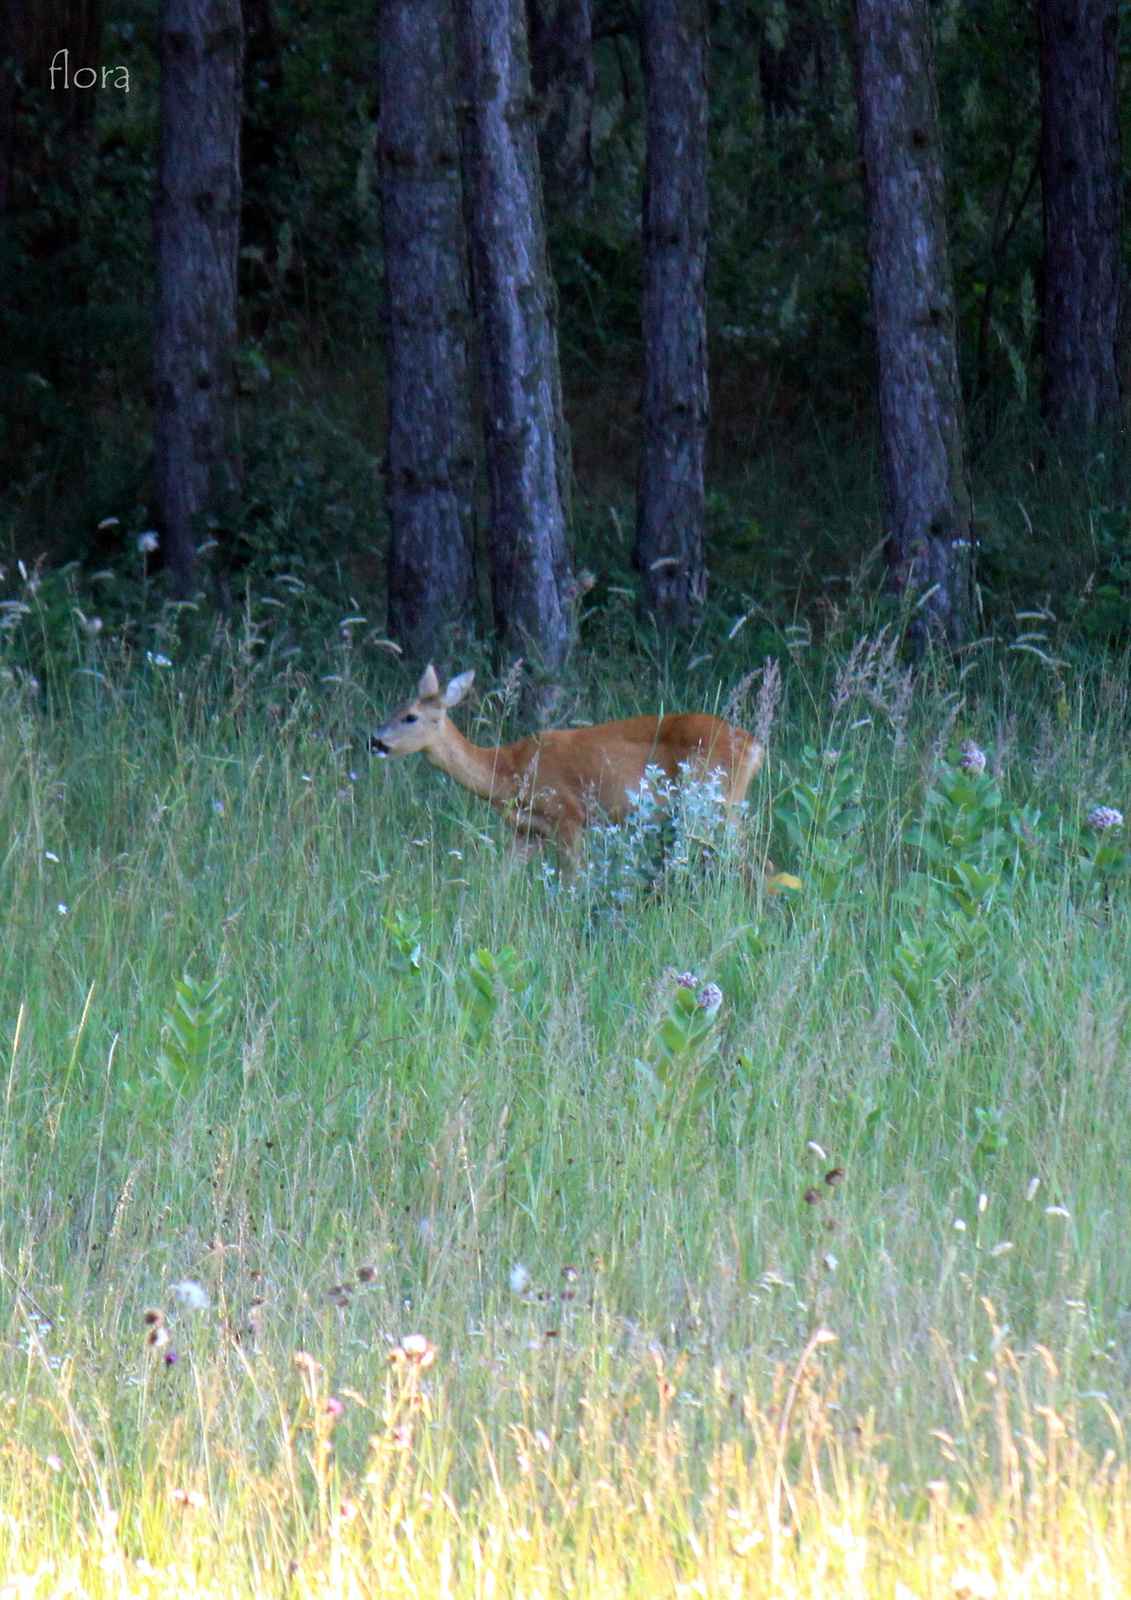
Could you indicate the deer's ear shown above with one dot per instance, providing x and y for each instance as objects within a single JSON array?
[
  {"x": 456, "y": 690},
  {"x": 429, "y": 683}
]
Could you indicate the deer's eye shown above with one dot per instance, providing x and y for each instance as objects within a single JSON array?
[{"x": 412, "y": 717}]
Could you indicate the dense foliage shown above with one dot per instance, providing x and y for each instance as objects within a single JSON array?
[{"x": 793, "y": 496}]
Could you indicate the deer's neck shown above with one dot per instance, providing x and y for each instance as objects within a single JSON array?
[{"x": 489, "y": 773}]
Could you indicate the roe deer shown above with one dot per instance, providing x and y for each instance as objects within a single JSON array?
[{"x": 552, "y": 785}]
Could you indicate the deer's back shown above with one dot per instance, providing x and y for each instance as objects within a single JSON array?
[{"x": 602, "y": 766}]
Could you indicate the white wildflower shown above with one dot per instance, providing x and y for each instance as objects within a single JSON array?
[
  {"x": 520, "y": 1280},
  {"x": 147, "y": 543}
]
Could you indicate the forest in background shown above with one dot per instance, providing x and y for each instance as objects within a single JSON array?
[{"x": 793, "y": 503}]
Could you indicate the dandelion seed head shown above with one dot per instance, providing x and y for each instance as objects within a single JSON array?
[
  {"x": 520, "y": 1280},
  {"x": 192, "y": 1295},
  {"x": 147, "y": 542}
]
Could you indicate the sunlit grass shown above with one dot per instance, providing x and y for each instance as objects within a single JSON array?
[{"x": 622, "y": 1259}]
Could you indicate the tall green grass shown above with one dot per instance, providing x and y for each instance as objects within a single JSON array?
[{"x": 620, "y": 1254}]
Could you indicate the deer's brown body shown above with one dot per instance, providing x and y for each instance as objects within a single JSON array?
[{"x": 553, "y": 785}]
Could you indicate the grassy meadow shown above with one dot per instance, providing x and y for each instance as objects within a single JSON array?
[{"x": 381, "y": 1215}]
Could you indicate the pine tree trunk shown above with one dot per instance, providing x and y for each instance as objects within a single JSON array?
[
  {"x": 927, "y": 510},
  {"x": 1081, "y": 183},
  {"x": 674, "y": 404},
  {"x": 430, "y": 461},
  {"x": 561, "y": 60},
  {"x": 200, "y": 45},
  {"x": 526, "y": 442}
]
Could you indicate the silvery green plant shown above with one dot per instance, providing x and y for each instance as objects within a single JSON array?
[{"x": 674, "y": 827}]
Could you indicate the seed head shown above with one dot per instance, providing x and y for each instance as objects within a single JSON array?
[
  {"x": 147, "y": 543},
  {"x": 192, "y": 1295},
  {"x": 972, "y": 758}
]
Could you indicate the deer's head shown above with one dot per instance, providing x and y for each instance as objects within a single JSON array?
[{"x": 420, "y": 722}]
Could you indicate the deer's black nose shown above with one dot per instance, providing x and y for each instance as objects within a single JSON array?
[{"x": 378, "y": 747}]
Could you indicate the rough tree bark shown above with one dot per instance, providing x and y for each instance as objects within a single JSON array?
[
  {"x": 527, "y": 446},
  {"x": 430, "y": 460},
  {"x": 668, "y": 553},
  {"x": 561, "y": 60},
  {"x": 197, "y": 214},
  {"x": 927, "y": 510},
  {"x": 1081, "y": 184}
]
